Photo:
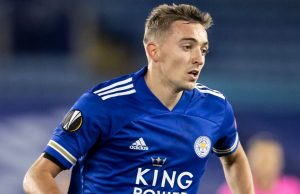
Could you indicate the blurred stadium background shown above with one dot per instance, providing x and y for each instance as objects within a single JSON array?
[{"x": 53, "y": 51}]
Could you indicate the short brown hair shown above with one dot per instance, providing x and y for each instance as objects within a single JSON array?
[{"x": 161, "y": 18}]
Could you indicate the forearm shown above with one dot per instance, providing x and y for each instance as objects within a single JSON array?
[{"x": 238, "y": 174}]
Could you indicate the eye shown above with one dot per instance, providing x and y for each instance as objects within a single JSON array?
[
  {"x": 204, "y": 51},
  {"x": 187, "y": 47}
]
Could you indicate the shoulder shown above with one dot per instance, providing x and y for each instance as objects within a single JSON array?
[
  {"x": 209, "y": 103},
  {"x": 120, "y": 86},
  {"x": 207, "y": 92},
  {"x": 96, "y": 98},
  {"x": 211, "y": 98}
]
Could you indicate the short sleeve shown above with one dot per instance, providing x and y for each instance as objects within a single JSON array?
[
  {"x": 228, "y": 140},
  {"x": 82, "y": 127}
]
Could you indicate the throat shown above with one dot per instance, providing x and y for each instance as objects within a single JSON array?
[
  {"x": 171, "y": 101},
  {"x": 167, "y": 96}
]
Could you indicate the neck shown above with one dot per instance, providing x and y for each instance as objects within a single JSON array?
[{"x": 164, "y": 91}]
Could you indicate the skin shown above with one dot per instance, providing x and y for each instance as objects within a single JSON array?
[
  {"x": 266, "y": 160},
  {"x": 237, "y": 172},
  {"x": 170, "y": 61},
  {"x": 174, "y": 65},
  {"x": 40, "y": 178}
]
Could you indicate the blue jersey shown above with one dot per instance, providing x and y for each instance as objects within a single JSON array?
[{"x": 119, "y": 138}]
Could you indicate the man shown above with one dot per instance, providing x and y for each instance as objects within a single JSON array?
[
  {"x": 150, "y": 131},
  {"x": 266, "y": 158}
]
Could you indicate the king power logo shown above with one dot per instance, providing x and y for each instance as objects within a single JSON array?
[{"x": 162, "y": 179}]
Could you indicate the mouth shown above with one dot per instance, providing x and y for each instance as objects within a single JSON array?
[{"x": 194, "y": 73}]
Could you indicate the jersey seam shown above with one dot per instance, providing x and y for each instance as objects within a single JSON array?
[{"x": 225, "y": 108}]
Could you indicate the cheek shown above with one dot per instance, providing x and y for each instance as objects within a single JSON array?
[
  {"x": 180, "y": 59},
  {"x": 174, "y": 60}
]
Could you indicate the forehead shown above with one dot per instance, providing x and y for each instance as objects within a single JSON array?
[{"x": 183, "y": 29}]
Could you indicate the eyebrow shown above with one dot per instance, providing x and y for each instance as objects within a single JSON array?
[{"x": 193, "y": 40}]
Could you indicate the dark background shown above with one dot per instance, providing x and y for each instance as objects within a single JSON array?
[{"x": 53, "y": 51}]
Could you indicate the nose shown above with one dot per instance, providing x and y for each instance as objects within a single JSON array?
[{"x": 198, "y": 57}]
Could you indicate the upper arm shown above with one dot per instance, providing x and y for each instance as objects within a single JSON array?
[
  {"x": 44, "y": 166},
  {"x": 84, "y": 125},
  {"x": 40, "y": 177},
  {"x": 228, "y": 138},
  {"x": 234, "y": 157},
  {"x": 237, "y": 172}
]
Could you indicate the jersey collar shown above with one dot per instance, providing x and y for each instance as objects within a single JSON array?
[{"x": 150, "y": 100}]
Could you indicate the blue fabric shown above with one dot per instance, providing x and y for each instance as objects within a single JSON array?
[{"x": 129, "y": 142}]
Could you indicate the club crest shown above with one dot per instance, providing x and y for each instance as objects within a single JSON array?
[{"x": 202, "y": 146}]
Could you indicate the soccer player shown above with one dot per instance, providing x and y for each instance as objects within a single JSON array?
[
  {"x": 266, "y": 158},
  {"x": 149, "y": 132}
]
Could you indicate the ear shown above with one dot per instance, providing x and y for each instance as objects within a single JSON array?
[{"x": 152, "y": 51}]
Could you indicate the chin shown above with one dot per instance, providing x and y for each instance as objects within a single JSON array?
[{"x": 189, "y": 86}]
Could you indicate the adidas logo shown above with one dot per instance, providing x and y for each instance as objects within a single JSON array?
[{"x": 139, "y": 145}]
